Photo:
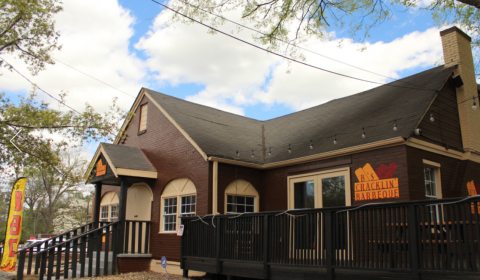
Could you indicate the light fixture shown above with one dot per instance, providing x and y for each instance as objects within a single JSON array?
[
  {"x": 238, "y": 154},
  {"x": 395, "y": 128},
  {"x": 432, "y": 119},
  {"x": 474, "y": 106},
  {"x": 335, "y": 139},
  {"x": 270, "y": 152},
  {"x": 363, "y": 133},
  {"x": 289, "y": 149},
  {"x": 311, "y": 144},
  {"x": 252, "y": 154}
]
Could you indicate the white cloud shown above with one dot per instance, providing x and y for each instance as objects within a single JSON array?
[
  {"x": 95, "y": 39},
  {"x": 306, "y": 87},
  {"x": 236, "y": 75}
]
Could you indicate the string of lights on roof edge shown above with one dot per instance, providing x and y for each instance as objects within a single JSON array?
[{"x": 335, "y": 141}]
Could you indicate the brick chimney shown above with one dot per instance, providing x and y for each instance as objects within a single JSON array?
[{"x": 457, "y": 51}]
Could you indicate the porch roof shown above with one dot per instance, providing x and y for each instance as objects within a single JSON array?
[{"x": 120, "y": 161}]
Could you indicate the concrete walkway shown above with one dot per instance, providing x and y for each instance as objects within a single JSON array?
[{"x": 172, "y": 268}]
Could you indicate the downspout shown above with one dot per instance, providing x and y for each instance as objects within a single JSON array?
[{"x": 215, "y": 188}]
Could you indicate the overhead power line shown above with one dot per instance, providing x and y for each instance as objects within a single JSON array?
[
  {"x": 283, "y": 56},
  {"x": 35, "y": 85},
  {"x": 93, "y": 78},
  {"x": 283, "y": 41}
]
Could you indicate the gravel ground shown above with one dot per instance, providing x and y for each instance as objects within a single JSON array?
[{"x": 146, "y": 275}]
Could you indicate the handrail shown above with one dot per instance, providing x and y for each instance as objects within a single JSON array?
[
  {"x": 344, "y": 208},
  {"x": 56, "y": 236},
  {"x": 76, "y": 237}
]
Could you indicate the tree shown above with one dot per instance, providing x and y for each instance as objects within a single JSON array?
[
  {"x": 74, "y": 213},
  {"x": 49, "y": 188},
  {"x": 27, "y": 29},
  {"x": 291, "y": 21},
  {"x": 31, "y": 124}
]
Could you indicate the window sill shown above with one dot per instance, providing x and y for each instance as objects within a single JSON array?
[
  {"x": 168, "y": 232},
  {"x": 141, "y": 132}
]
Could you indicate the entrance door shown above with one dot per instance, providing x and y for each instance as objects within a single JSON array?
[
  {"x": 318, "y": 190},
  {"x": 139, "y": 209}
]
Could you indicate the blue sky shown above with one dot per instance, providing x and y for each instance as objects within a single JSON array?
[{"x": 127, "y": 45}]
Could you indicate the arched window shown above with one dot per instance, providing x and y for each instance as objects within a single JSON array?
[
  {"x": 109, "y": 207},
  {"x": 178, "y": 200},
  {"x": 241, "y": 197}
]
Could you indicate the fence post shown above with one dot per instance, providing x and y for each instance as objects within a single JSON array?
[
  {"x": 266, "y": 268},
  {"x": 217, "y": 244},
  {"x": 182, "y": 249},
  {"x": 413, "y": 228},
  {"x": 21, "y": 264},
  {"x": 330, "y": 250}
]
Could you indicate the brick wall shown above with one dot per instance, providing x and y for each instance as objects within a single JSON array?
[
  {"x": 173, "y": 157},
  {"x": 454, "y": 173},
  {"x": 126, "y": 264},
  {"x": 457, "y": 51},
  {"x": 272, "y": 184}
]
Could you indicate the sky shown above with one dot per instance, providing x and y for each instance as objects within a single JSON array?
[{"x": 126, "y": 45}]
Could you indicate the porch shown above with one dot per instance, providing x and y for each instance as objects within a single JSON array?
[{"x": 410, "y": 239}]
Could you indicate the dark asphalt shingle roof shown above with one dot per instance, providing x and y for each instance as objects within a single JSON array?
[
  {"x": 127, "y": 157},
  {"x": 221, "y": 134}
]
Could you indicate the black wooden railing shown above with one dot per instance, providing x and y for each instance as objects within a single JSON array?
[
  {"x": 31, "y": 253},
  {"x": 82, "y": 254},
  {"x": 415, "y": 237}
]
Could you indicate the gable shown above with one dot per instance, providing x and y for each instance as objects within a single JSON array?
[{"x": 446, "y": 125}]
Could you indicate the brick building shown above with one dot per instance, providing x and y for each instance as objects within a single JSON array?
[{"x": 413, "y": 139}]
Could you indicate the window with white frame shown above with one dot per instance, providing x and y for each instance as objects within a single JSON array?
[
  {"x": 109, "y": 207},
  {"x": 241, "y": 197},
  {"x": 113, "y": 213},
  {"x": 104, "y": 214},
  {"x": 178, "y": 200},
  {"x": 430, "y": 180},
  {"x": 329, "y": 188},
  {"x": 170, "y": 214},
  {"x": 240, "y": 204},
  {"x": 433, "y": 190}
]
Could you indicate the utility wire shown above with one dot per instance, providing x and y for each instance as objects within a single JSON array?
[
  {"x": 283, "y": 41},
  {"x": 35, "y": 85},
  {"x": 283, "y": 56},
  {"x": 93, "y": 77}
]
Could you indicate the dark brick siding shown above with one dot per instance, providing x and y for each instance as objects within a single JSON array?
[
  {"x": 454, "y": 174},
  {"x": 173, "y": 157},
  {"x": 126, "y": 265}
]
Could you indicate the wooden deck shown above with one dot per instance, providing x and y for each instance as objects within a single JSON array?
[{"x": 389, "y": 241}]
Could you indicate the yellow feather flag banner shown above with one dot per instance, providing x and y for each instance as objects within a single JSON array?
[{"x": 14, "y": 225}]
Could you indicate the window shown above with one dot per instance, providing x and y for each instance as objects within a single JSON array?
[
  {"x": 240, "y": 204},
  {"x": 113, "y": 213},
  {"x": 241, "y": 197},
  {"x": 109, "y": 207},
  {"x": 104, "y": 214},
  {"x": 432, "y": 179},
  {"x": 170, "y": 214},
  {"x": 433, "y": 190},
  {"x": 430, "y": 182},
  {"x": 330, "y": 188},
  {"x": 321, "y": 189},
  {"x": 178, "y": 200},
  {"x": 143, "y": 117}
]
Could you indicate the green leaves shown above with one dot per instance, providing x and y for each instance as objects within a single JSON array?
[
  {"x": 27, "y": 29},
  {"x": 39, "y": 126}
]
